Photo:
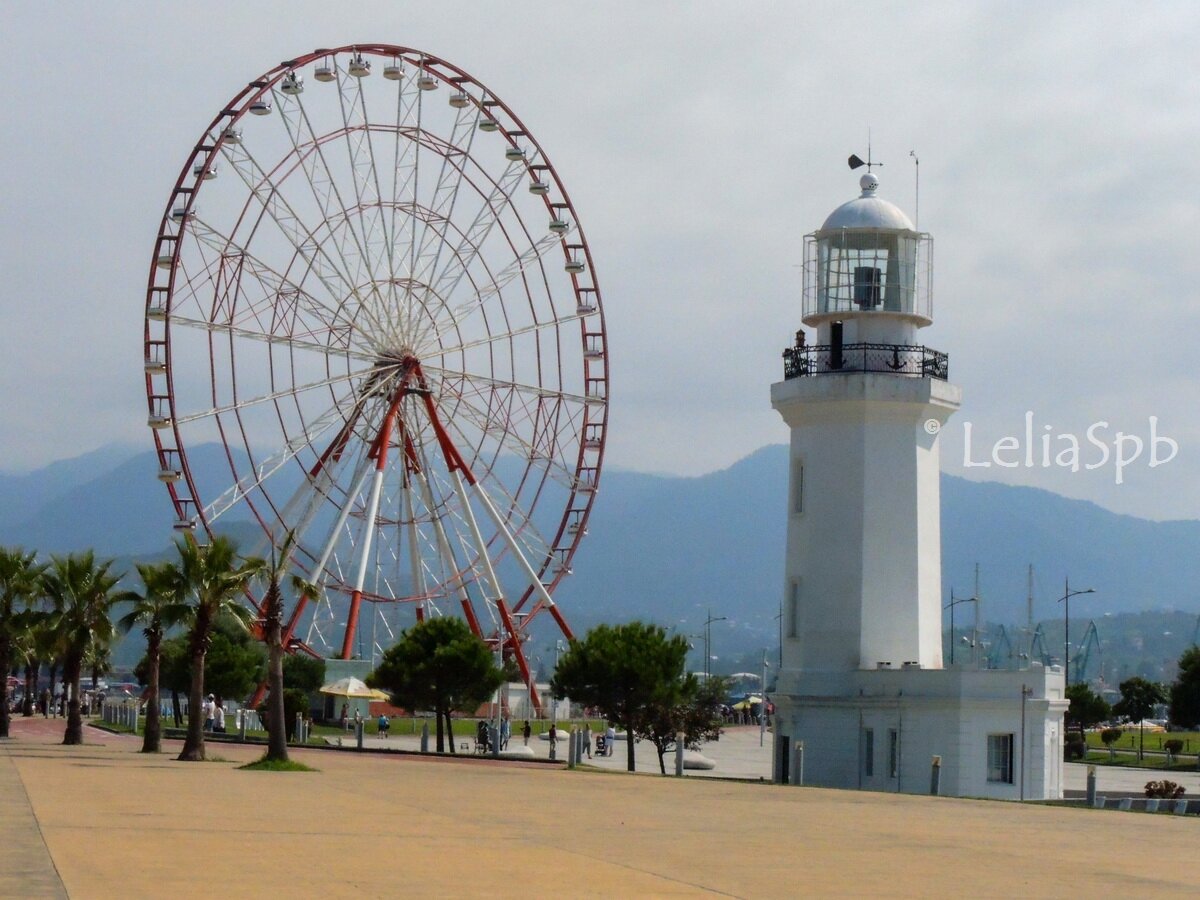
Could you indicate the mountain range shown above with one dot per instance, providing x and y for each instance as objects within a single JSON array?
[{"x": 672, "y": 549}]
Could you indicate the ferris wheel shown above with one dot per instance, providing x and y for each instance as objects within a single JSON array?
[{"x": 372, "y": 321}]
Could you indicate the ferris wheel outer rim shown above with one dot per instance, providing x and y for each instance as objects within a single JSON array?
[{"x": 207, "y": 150}]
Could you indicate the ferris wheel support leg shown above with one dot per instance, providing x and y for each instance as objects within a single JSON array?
[
  {"x": 414, "y": 552},
  {"x": 534, "y": 580},
  {"x": 476, "y": 534},
  {"x": 448, "y": 556},
  {"x": 364, "y": 560}
]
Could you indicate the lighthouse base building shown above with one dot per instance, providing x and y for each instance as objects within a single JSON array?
[{"x": 863, "y": 699}]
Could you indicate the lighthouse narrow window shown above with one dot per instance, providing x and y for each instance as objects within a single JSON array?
[
  {"x": 868, "y": 762},
  {"x": 893, "y": 753},
  {"x": 1000, "y": 758},
  {"x": 797, "y": 487}
]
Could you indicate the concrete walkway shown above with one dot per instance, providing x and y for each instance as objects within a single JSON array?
[{"x": 117, "y": 823}]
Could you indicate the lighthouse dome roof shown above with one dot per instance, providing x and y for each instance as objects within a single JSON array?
[{"x": 868, "y": 211}]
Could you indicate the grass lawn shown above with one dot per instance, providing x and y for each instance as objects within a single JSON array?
[{"x": 1154, "y": 740}]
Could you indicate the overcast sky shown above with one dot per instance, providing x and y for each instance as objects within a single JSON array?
[{"x": 699, "y": 142}]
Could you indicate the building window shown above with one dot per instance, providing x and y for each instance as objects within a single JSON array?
[
  {"x": 797, "y": 486},
  {"x": 1000, "y": 758},
  {"x": 868, "y": 762},
  {"x": 893, "y": 753},
  {"x": 793, "y": 610}
]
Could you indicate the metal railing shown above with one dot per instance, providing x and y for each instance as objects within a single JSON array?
[{"x": 893, "y": 359}]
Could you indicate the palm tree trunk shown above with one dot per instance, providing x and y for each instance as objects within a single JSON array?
[
  {"x": 277, "y": 727},
  {"x": 5, "y": 665},
  {"x": 72, "y": 668},
  {"x": 152, "y": 741},
  {"x": 175, "y": 707},
  {"x": 193, "y": 745}
]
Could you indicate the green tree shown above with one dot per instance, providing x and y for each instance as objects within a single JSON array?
[
  {"x": 277, "y": 576},
  {"x": 438, "y": 664},
  {"x": 1185, "y": 691},
  {"x": 691, "y": 706},
  {"x": 161, "y": 604},
  {"x": 303, "y": 673},
  {"x": 20, "y": 583},
  {"x": 624, "y": 671},
  {"x": 236, "y": 662},
  {"x": 1087, "y": 708},
  {"x": 82, "y": 593},
  {"x": 1138, "y": 699},
  {"x": 216, "y": 577}
]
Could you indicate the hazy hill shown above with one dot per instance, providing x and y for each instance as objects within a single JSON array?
[{"x": 669, "y": 549}]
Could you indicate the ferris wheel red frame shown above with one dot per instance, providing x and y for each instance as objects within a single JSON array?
[{"x": 421, "y": 364}]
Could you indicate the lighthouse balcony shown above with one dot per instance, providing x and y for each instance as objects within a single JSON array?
[{"x": 894, "y": 359}]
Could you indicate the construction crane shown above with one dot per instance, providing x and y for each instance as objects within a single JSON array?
[
  {"x": 1079, "y": 662},
  {"x": 1002, "y": 650},
  {"x": 1036, "y": 643}
]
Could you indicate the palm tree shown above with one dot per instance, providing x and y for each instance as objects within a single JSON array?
[
  {"x": 162, "y": 605},
  {"x": 275, "y": 574},
  {"x": 82, "y": 593},
  {"x": 215, "y": 577},
  {"x": 20, "y": 580}
]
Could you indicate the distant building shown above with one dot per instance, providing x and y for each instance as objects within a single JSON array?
[{"x": 862, "y": 687}]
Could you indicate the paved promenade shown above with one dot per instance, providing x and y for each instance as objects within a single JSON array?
[{"x": 102, "y": 820}]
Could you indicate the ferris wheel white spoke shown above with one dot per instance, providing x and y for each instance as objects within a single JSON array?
[
  {"x": 469, "y": 246},
  {"x": 445, "y": 195},
  {"x": 266, "y": 398},
  {"x": 518, "y": 267},
  {"x": 274, "y": 339},
  {"x": 323, "y": 184},
  {"x": 500, "y": 337},
  {"x": 275, "y": 287},
  {"x": 365, "y": 179},
  {"x": 447, "y": 376},
  {"x": 271, "y": 199}
]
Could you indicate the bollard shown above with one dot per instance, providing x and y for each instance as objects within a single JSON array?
[
  {"x": 298, "y": 733},
  {"x": 680, "y": 745},
  {"x": 135, "y": 717},
  {"x": 425, "y": 736},
  {"x": 1091, "y": 785},
  {"x": 797, "y": 768},
  {"x": 572, "y": 749},
  {"x": 935, "y": 776},
  {"x": 358, "y": 733}
]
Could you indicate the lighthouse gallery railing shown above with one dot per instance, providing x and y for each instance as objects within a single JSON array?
[{"x": 893, "y": 359}]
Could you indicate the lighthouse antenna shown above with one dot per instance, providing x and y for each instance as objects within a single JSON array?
[{"x": 917, "y": 198}]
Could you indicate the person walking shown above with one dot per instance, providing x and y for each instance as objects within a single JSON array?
[
  {"x": 218, "y": 718},
  {"x": 505, "y": 732},
  {"x": 587, "y": 739},
  {"x": 210, "y": 707},
  {"x": 610, "y": 738},
  {"x": 384, "y": 725},
  {"x": 526, "y": 731}
]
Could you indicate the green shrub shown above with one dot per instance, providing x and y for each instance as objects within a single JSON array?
[
  {"x": 1174, "y": 746},
  {"x": 1075, "y": 749},
  {"x": 1111, "y": 735}
]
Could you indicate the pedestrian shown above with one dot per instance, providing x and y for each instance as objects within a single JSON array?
[
  {"x": 526, "y": 731},
  {"x": 218, "y": 718},
  {"x": 209, "y": 708},
  {"x": 610, "y": 738},
  {"x": 587, "y": 739},
  {"x": 553, "y": 741},
  {"x": 344, "y": 721},
  {"x": 505, "y": 733},
  {"x": 384, "y": 725}
]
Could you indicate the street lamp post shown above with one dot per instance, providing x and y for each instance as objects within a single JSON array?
[
  {"x": 950, "y": 606},
  {"x": 708, "y": 639},
  {"x": 1065, "y": 600}
]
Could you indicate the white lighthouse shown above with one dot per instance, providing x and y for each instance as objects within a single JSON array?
[{"x": 863, "y": 699}]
